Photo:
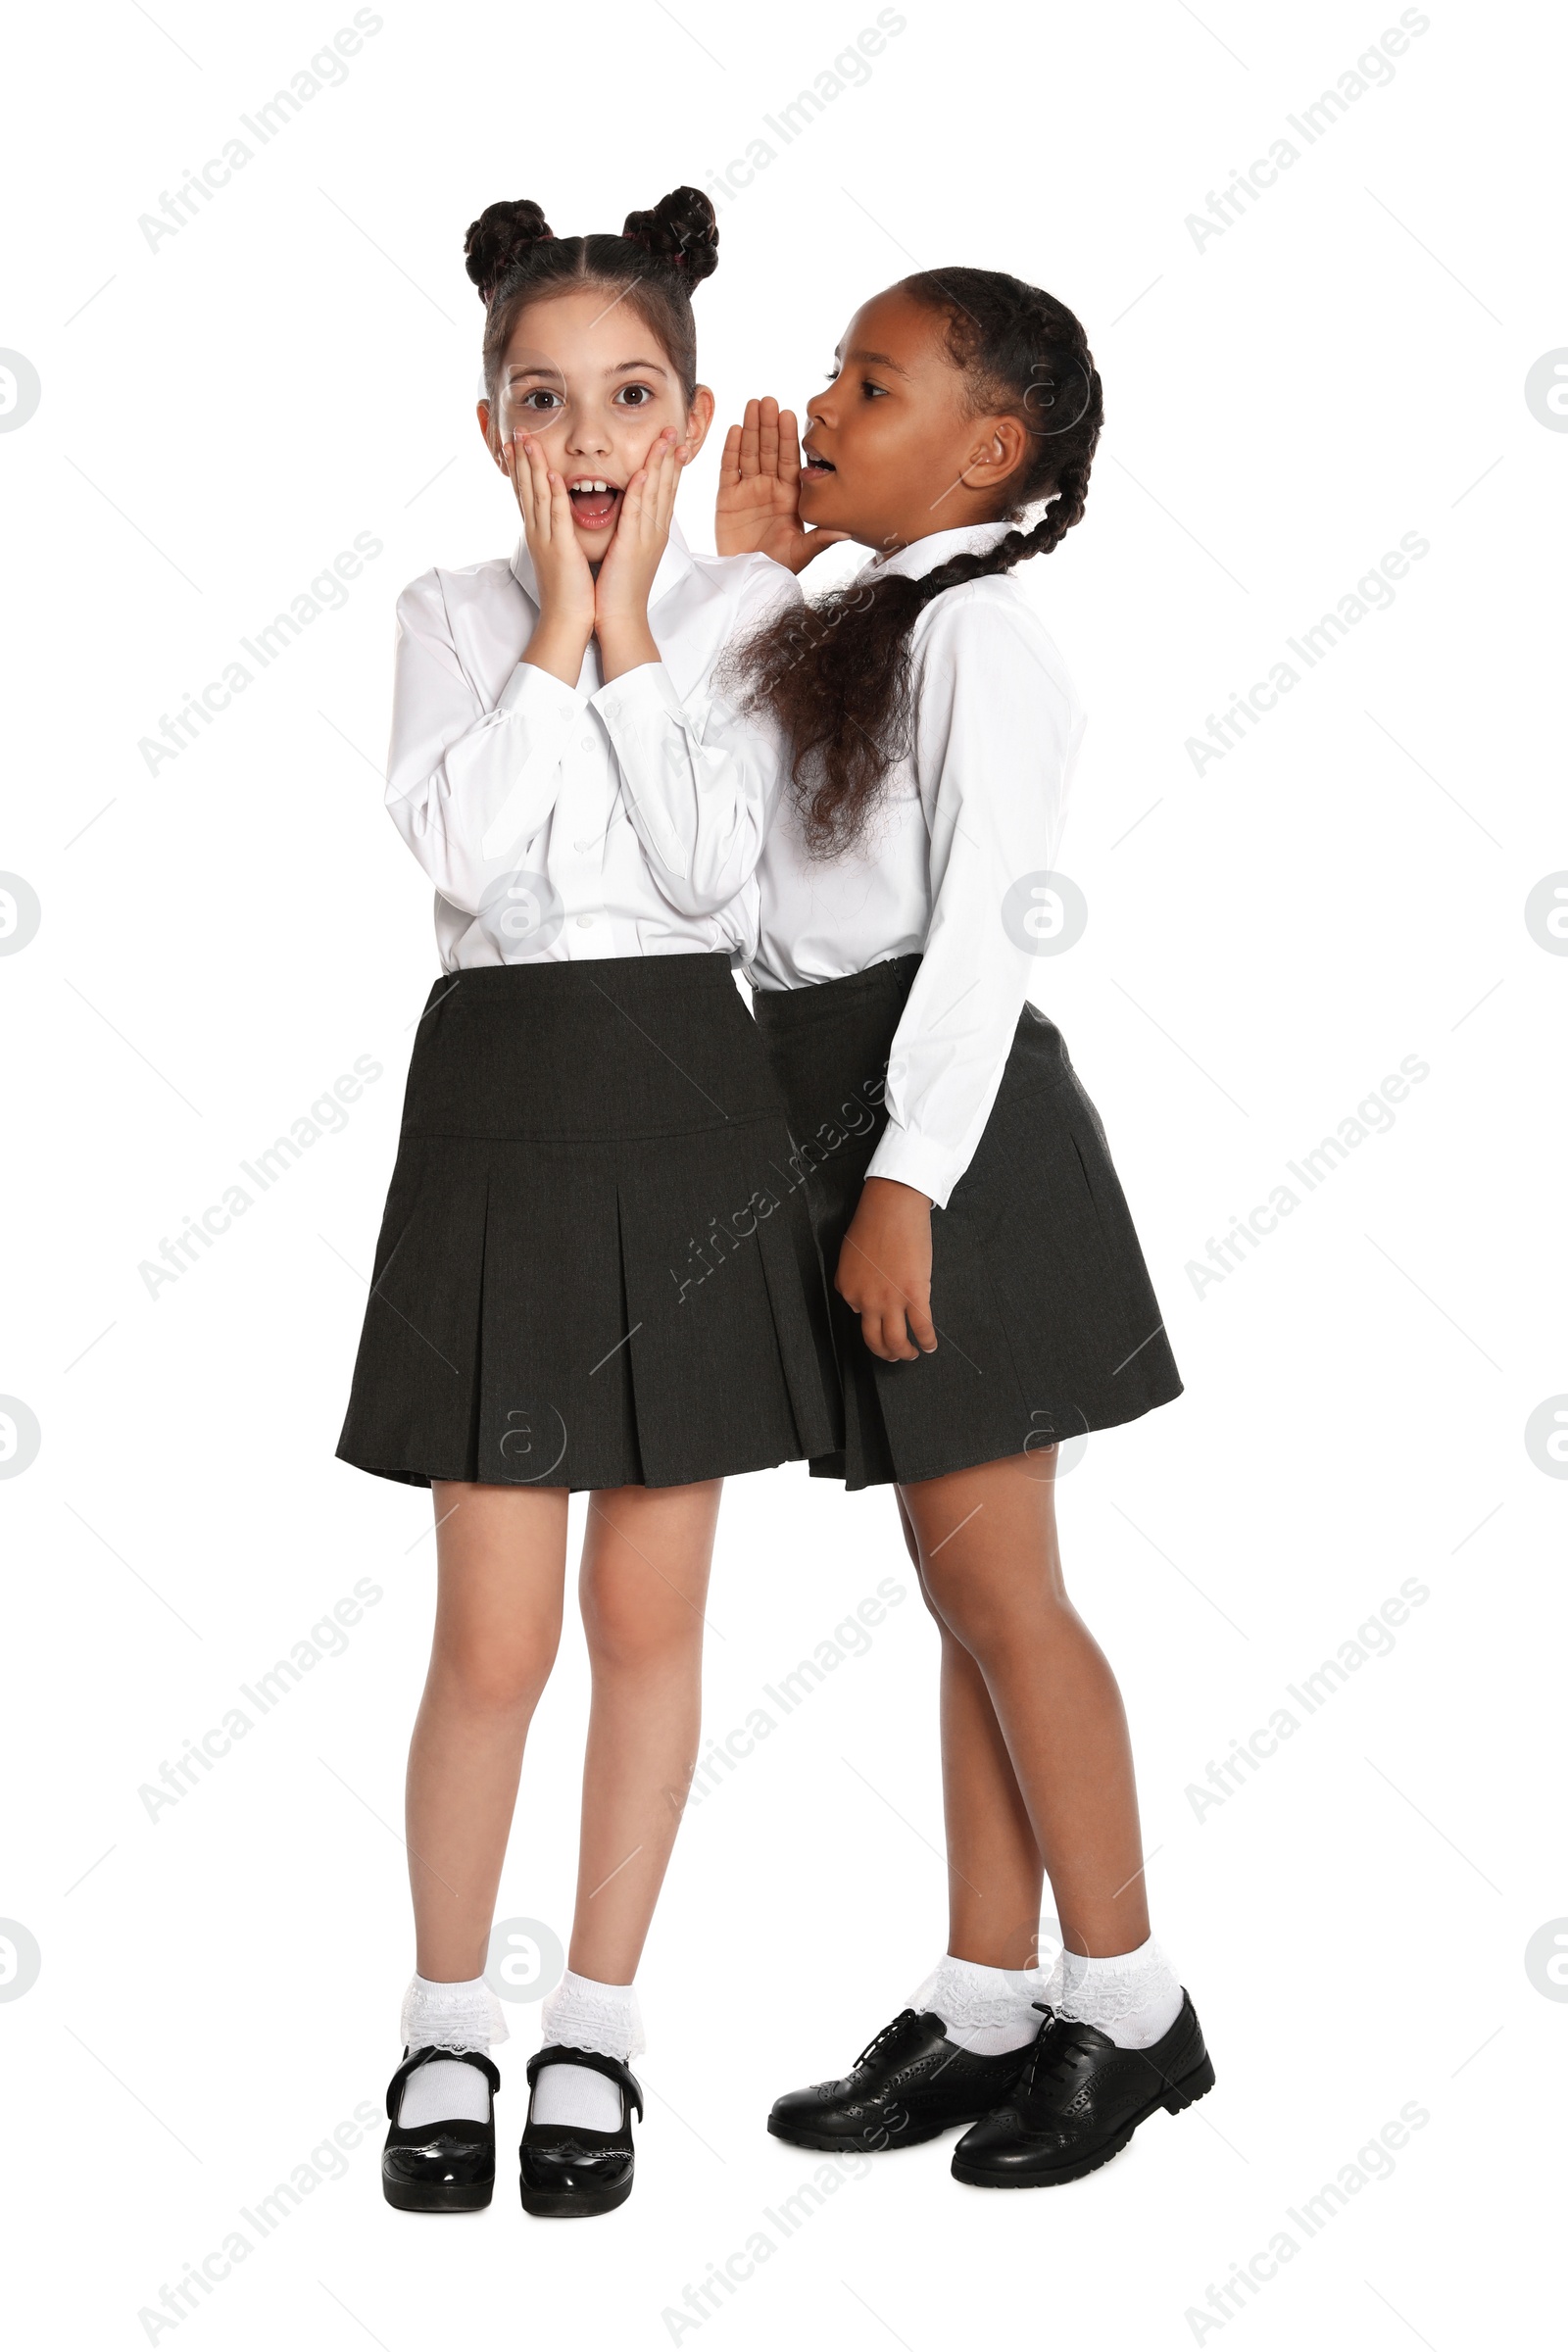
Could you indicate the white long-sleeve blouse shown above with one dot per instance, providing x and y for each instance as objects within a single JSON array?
[
  {"x": 954, "y": 867},
  {"x": 562, "y": 822}
]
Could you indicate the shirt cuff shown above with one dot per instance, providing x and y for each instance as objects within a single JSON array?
[
  {"x": 537, "y": 691},
  {"x": 648, "y": 691},
  {"x": 907, "y": 1159}
]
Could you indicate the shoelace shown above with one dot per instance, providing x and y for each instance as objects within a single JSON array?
[
  {"x": 904, "y": 2019},
  {"x": 1057, "y": 2059}
]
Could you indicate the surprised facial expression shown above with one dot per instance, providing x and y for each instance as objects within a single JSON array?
[{"x": 590, "y": 379}]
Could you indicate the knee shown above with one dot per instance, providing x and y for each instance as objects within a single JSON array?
[
  {"x": 499, "y": 1673},
  {"x": 929, "y": 1595},
  {"x": 983, "y": 1612},
  {"x": 633, "y": 1623}
]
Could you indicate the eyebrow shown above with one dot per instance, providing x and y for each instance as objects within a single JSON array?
[
  {"x": 878, "y": 358},
  {"x": 626, "y": 367}
]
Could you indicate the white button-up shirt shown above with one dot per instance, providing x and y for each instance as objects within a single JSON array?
[
  {"x": 563, "y": 824},
  {"x": 976, "y": 808}
]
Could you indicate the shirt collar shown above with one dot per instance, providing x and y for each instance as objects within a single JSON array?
[
  {"x": 921, "y": 556},
  {"x": 674, "y": 565}
]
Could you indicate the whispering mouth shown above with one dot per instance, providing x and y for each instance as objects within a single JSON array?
[
  {"x": 817, "y": 469},
  {"x": 594, "y": 501}
]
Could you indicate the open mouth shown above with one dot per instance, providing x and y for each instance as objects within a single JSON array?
[
  {"x": 815, "y": 468},
  {"x": 593, "y": 502}
]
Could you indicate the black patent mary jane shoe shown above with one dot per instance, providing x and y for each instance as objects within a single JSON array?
[
  {"x": 566, "y": 2169},
  {"x": 445, "y": 2166},
  {"x": 1079, "y": 2100},
  {"x": 909, "y": 2084}
]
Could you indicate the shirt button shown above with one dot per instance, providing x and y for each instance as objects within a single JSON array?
[
  {"x": 585, "y": 742},
  {"x": 585, "y": 922}
]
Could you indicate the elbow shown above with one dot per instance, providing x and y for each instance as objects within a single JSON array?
[
  {"x": 690, "y": 894},
  {"x": 461, "y": 880},
  {"x": 694, "y": 884},
  {"x": 709, "y": 889}
]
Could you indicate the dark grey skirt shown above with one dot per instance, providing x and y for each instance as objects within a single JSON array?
[
  {"x": 593, "y": 1268},
  {"x": 1047, "y": 1323}
]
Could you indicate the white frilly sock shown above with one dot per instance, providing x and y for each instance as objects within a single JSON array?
[
  {"x": 586, "y": 2015},
  {"x": 1133, "y": 1996},
  {"x": 986, "y": 2010},
  {"x": 440, "y": 2016}
]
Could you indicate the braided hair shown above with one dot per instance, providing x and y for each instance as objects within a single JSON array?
[
  {"x": 514, "y": 257},
  {"x": 838, "y": 678}
]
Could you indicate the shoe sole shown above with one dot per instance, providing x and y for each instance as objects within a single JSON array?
[
  {"x": 849, "y": 2143},
  {"x": 571, "y": 2205},
  {"x": 1195, "y": 2085},
  {"x": 440, "y": 2196}
]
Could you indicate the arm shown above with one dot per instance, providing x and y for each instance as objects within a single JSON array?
[
  {"x": 998, "y": 726},
  {"x": 700, "y": 779},
  {"x": 467, "y": 787}
]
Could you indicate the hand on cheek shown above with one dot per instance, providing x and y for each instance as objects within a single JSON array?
[
  {"x": 884, "y": 1270},
  {"x": 632, "y": 558},
  {"x": 561, "y": 569}
]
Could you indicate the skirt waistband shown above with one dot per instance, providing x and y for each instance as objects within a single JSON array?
[
  {"x": 830, "y": 1042},
  {"x": 602, "y": 1050},
  {"x": 886, "y": 983},
  {"x": 646, "y": 975}
]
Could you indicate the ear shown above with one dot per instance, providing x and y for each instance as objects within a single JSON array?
[
  {"x": 483, "y": 414},
  {"x": 1000, "y": 451},
  {"x": 699, "y": 417}
]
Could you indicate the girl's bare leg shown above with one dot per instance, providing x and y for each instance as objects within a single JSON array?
[
  {"x": 991, "y": 1569},
  {"x": 995, "y": 1873},
  {"x": 644, "y": 1585},
  {"x": 501, "y": 1564}
]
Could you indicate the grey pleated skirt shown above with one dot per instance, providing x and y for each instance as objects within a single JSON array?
[
  {"x": 595, "y": 1268},
  {"x": 1046, "y": 1322}
]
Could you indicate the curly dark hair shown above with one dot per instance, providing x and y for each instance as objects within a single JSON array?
[
  {"x": 514, "y": 256},
  {"x": 838, "y": 677}
]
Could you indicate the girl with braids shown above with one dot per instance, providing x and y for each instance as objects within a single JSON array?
[
  {"x": 587, "y": 1101},
  {"x": 992, "y": 1297}
]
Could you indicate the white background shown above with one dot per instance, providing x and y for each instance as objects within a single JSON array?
[{"x": 220, "y": 415}]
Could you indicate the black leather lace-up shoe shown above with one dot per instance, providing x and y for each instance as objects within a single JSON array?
[
  {"x": 444, "y": 2167},
  {"x": 909, "y": 2084},
  {"x": 1078, "y": 2101},
  {"x": 565, "y": 2168}
]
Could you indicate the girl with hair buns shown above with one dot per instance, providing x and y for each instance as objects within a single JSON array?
[
  {"x": 992, "y": 1297},
  {"x": 589, "y": 1275}
]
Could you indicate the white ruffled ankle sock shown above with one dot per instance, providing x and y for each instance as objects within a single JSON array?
[
  {"x": 586, "y": 2015},
  {"x": 986, "y": 2010},
  {"x": 439, "y": 2016},
  {"x": 1133, "y": 1996}
]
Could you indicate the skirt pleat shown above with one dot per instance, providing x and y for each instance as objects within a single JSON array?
[
  {"x": 701, "y": 1318},
  {"x": 537, "y": 1389},
  {"x": 589, "y": 1274},
  {"x": 1046, "y": 1322}
]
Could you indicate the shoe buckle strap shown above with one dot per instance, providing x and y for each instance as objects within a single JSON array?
[
  {"x": 485, "y": 2064},
  {"x": 614, "y": 2070}
]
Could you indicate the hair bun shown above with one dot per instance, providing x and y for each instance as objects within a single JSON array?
[
  {"x": 502, "y": 235},
  {"x": 682, "y": 229}
]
